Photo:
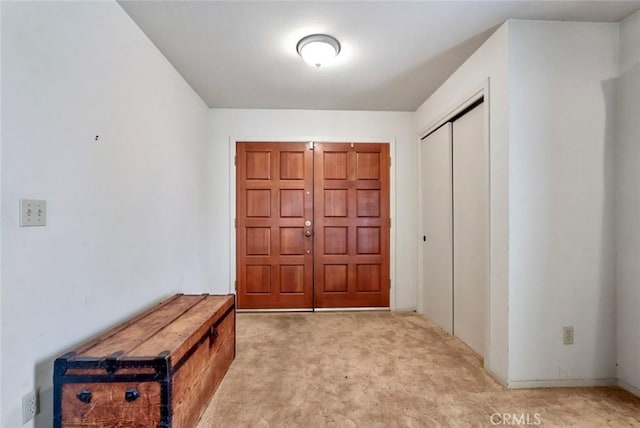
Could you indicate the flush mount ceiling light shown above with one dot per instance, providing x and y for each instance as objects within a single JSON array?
[{"x": 318, "y": 49}]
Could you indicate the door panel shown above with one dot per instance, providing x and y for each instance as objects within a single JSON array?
[
  {"x": 351, "y": 242},
  {"x": 274, "y": 185},
  {"x": 437, "y": 211},
  {"x": 471, "y": 226}
]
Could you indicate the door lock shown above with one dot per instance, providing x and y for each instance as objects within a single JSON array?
[{"x": 308, "y": 233}]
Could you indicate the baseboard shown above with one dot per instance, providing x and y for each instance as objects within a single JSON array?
[
  {"x": 351, "y": 309},
  {"x": 501, "y": 380},
  {"x": 405, "y": 309},
  {"x": 274, "y": 310},
  {"x": 560, "y": 383},
  {"x": 630, "y": 388}
]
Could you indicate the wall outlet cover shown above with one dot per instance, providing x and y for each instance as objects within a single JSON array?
[
  {"x": 29, "y": 406},
  {"x": 567, "y": 335}
]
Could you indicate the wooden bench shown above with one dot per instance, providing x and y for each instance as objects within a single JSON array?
[{"x": 158, "y": 369}]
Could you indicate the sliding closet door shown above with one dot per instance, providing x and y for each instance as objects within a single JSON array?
[
  {"x": 437, "y": 226},
  {"x": 470, "y": 227}
]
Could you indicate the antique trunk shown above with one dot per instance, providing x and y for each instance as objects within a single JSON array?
[{"x": 158, "y": 369}]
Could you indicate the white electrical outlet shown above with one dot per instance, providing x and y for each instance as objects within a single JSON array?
[
  {"x": 29, "y": 406},
  {"x": 33, "y": 212},
  {"x": 567, "y": 335}
]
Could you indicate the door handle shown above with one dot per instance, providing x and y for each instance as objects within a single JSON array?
[
  {"x": 131, "y": 394},
  {"x": 84, "y": 396},
  {"x": 308, "y": 233}
]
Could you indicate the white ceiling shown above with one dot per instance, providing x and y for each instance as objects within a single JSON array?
[{"x": 240, "y": 54}]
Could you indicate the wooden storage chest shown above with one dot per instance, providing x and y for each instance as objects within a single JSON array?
[{"x": 158, "y": 369}]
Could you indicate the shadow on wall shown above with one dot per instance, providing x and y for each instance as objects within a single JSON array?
[
  {"x": 429, "y": 75},
  {"x": 43, "y": 383},
  {"x": 43, "y": 370},
  {"x": 606, "y": 292},
  {"x": 44, "y": 376},
  {"x": 627, "y": 199}
]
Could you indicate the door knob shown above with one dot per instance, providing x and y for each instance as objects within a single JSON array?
[{"x": 308, "y": 233}]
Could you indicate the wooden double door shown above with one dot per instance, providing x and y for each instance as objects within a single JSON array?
[{"x": 312, "y": 225}]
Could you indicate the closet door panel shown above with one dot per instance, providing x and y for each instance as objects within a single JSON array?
[
  {"x": 437, "y": 226},
  {"x": 470, "y": 227}
]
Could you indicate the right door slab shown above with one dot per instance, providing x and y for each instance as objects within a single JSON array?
[{"x": 352, "y": 225}]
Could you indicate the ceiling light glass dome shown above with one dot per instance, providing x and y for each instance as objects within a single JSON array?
[{"x": 318, "y": 49}]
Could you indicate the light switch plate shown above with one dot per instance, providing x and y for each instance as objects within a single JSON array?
[{"x": 33, "y": 212}]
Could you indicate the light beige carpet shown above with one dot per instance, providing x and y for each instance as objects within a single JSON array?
[{"x": 384, "y": 370}]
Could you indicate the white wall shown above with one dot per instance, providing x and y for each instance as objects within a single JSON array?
[
  {"x": 628, "y": 205},
  {"x": 551, "y": 134},
  {"x": 227, "y": 125},
  {"x": 561, "y": 189},
  {"x": 0, "y": 219},
  {"x": 127, "y": 215},
  {"x": 489, "y": 61}
]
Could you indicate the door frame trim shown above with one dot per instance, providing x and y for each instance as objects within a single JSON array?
[{"x": 233, "y": 139}]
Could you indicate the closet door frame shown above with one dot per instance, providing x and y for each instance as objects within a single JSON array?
[
  {"x": 481, "y": 93},
  {"x": 390, "y": 140}
]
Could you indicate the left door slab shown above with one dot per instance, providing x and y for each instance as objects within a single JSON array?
[{"x": 274, "y": 199}]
